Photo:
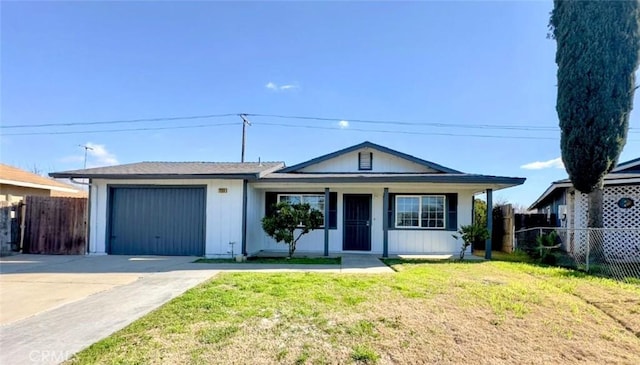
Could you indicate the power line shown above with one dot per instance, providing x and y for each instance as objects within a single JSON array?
[
  {"x": 298, "y": 117},
  {"x": 272, "y": 124},
  {"x": 164, "y": 119},
  {"x": 399, "y": 132},
  {"x": 275, "y": 124},
  {"x": 397, "y": 122},
  {"x": 285, "y": 125},
  {"x": 407, "y": 132},
  {"x": 118, "y": 130},
  {"x": 431, "y": 124}
]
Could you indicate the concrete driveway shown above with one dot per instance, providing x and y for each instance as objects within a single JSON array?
[{"x": 53, "y": 306}]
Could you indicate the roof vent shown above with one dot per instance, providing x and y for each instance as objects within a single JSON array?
[{"x": 365, "y": 160}]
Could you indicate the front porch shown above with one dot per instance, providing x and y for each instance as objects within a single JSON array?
[{"x": 372, "y": 218}]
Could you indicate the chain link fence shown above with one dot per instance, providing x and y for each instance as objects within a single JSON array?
[{"x": 613, "y": 253}]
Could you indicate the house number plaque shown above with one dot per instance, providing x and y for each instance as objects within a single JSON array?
[{"x": 625, "y": 203}]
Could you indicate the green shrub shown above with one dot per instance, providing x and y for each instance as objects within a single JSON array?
[
  {"x": 545, "y": 244},
  {"x": 469, "y": 234}
]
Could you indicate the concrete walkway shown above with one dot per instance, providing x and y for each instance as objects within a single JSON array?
[
  {"x": 54, "y": 306},
  {"x": 364, "y": 263},
  {"x": 351, "y": 264}
]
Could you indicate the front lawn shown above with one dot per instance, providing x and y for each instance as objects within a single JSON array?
[{"x": 445, "y": 312}]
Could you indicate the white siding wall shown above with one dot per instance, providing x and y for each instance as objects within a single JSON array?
[
  {"x": 223, "y": 213},
  {"x": 382, "y": 162},
  {"x": 255, "y": 212},
  {"x": 400, "y": 241},
  {"x": 314, "y": 241},
  {"x": 417, "y": 241}
]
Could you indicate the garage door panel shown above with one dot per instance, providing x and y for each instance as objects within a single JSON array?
[{"x": 157, "y": 220}]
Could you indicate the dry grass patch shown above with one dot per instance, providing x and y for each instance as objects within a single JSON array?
[{"x": 485, "y": 313}]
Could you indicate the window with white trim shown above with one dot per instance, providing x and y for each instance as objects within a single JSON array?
[
  {"x": 315, "y": 201},
  {"x": 420, "y": 211}
]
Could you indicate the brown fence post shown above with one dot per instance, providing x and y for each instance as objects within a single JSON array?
[
  {"x": 509, "y": 225},
  {"x": 5, "y": 228}
]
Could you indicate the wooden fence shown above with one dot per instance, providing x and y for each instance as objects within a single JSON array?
[
  {"x": 505, "y": 239},
  {"x": 523, "y": 221},
  {"x": 54, "y": 226}
]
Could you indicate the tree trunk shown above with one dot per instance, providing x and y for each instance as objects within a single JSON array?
[
  {"x": 292, "y": 248},
  {"x": 595, "y": 220},
  {"x": 595, "y": 208}
]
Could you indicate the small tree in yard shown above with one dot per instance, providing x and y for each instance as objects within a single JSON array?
[
  {"x": 288, "y": 218},
  {"x": 480, "y": 212}
]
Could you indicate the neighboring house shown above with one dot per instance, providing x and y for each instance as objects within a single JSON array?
[
  {"x": 621, "y": 213},
  {"x": 15, "y": 184},
  {"x": 374, "y": 199},
  {"x": 621, "y": 200}
]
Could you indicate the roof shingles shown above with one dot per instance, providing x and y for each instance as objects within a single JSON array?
[
  {"x": 170, "y": 169},
  {"x": 14, "y": 174}
]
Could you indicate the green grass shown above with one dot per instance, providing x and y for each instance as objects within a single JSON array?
[
  {"x": 426, "y": 312},
  {"x": 364, "y": 354},
  {"x": 278, "y": 260},
  {"x": 517, "y": 256}
]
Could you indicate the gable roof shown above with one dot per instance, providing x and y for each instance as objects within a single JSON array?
[
  {"x": 395, "y": 177},
  {"x": 549, "y": 192},
  {"x": 14, "y": 176},
  {"x": 631, "y": 165},
  {"x": 367, "y": 144},
  {"x": 625, "y": 173},
  {"x": 274, "y": 172},
  {"x": 173, "y": 170}
]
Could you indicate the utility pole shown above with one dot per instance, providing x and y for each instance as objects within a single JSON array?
[
  {"x": 245, "y": 123},
  {"x": 86, "y": 148}
]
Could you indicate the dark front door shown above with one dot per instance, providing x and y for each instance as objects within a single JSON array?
[{"x": 357, "y": 222}]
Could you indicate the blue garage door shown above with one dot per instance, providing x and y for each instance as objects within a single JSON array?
[{"x": 157, "y": 221}]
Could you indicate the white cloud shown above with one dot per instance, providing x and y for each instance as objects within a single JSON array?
[
  {"x": 97, "y": 155},
  {"x": 343, "y": 124},
  {"x": 275, "y": 87},
  {"x": 539, "y": 165},
  {"x": 271, "y": 86},
  {"x": 100, "y": 155}
]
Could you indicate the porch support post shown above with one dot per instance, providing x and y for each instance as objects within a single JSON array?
[
  {"x": 244, "y": 218},
  {"x": 385, "y": 223},
  {"x": 326, "y": 221},
  {"x": 473, "y": 209},
  {"x": 87, "y": 239},
  {"x": 487, "y": 249}
]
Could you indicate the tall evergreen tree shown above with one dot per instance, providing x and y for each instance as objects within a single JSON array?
[{"x": 597, "y": 56}]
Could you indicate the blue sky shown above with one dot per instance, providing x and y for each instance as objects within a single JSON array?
[{"x": 465, "y": 63}]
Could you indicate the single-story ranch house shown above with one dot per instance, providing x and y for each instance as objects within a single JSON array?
[
  {"x": 620, "y": 212},
  {"x": 374, "y": 199},
  {"x": 621, "y": 200}
]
